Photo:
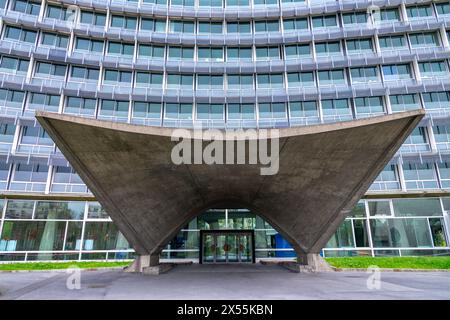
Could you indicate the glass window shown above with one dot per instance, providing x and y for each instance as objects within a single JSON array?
[
  {"x": 20, "y": 34},
  {"x": 27, "y": 6},
  {"x": 438, "y": 232},
  {"x": 343, "y": 237},
  {"x": 231, "y": 3},
  {"x": 417, "y": 207},
  {"x": 331, "y": 77},
  {"x": 10, "y": 64},
  {"x": 369, "y": 105},
  {"x": 354, "y": 18},
  {"x": 436, "y": 100},
  {"x": 55, "y": 40},
  {"x": 324, "y": 21},
  {"x": 44, "y": 69},
  {"x": 60, "y": 13},
  {"x": 268, "y": 53},
  {"x": 96, "y": 211},
  {"x": 335, "y": 107},
  {"x": 272, "y": 111},
  {"x": 244, "y": 111},
  {"x": 210, "y": 111},
  {"x": 328, "y": 48},
  {"x": 114, "y": 108},
  {"x": 273, "y": 80},
  {"x": 297, "y": 50},
  {"x": 151, "y": 51},
  {"x": 359, "y": 45},
  {"x": 40, "y": 99},
  {"x": 84, "y": 73},
  {"x": 267, "y": 26},
  {"x": 400, "y": 233},
  {"x": 300, "y": 109},
  {"x": 181, "y": 81},
  {"x": 210, "y": 27},
  {"x": 70, "y": 210},
  {"x": 34, "y": 236},
  {"x": 179, "y": 111},
  {"x": 206, "y": 81},
  {"x": 123, "y": 22},
  {"x": 91, "y": 45},
  {"x": 156, "y": 25},
  {"x": 403, "y": 102},
  {"x": 210, "y": 3},
  {"x": 397, "y": 72},
  {"x": 390, "y": 14},
  {"x": 265, "y": 2},
  {"x": 75, "y": 105},
  {"x": 210, "y": 53},
  {"x": 240, "y": 81},
  {"x": 186, "y": 3},
  {"x": 387, "y": 180},
  {"x": 120, "y": 48},
  {"x": 93, "y": 18},
  {"x": 148, "y": 79},
  {"x": 182, "y": 26},
  {"x": 19, "y": 209},
  {"x": 420, "y": 176},
  {"x": 181, "y": 53},
  {"x": 424, "y": 39},
  {"x": 379, "y": 208},
  {"x": 443, "y": 8},
  {"x": 239, "y": 27},
  {"x": 238, "y": 53},
  {"x": 149, "y": 110},
  {"x": 295, "y": 24},
  {"x": 419, "y": 11},
  {"x": 429, "y": 69},
  {"x": 116, "y": 76},
  {"x": 296, "y": 79},
  {"x": 393, "y": 42},
  {"x": 103, "y": 236},
  {"x": 364, "y": 74}
]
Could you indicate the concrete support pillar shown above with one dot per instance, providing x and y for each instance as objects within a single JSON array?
[
  {"x": 148, "y": 264},
  {"x": 313, "y": 262}
]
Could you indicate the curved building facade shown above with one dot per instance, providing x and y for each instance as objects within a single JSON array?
[{"x": 221, "y": 64}]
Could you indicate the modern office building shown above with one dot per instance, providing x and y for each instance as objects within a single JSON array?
[{"x": 225, "y": 64}]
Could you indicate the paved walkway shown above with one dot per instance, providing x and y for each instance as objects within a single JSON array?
[{"x": 225, "y": 282}]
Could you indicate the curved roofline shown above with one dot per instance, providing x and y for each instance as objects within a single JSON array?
[{"x": 228, "y": 134}]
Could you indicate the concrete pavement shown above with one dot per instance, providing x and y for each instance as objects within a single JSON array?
[{"x": 225, "y": 282}]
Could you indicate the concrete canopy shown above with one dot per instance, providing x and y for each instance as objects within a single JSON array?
[{"x": 323, "y": 171}]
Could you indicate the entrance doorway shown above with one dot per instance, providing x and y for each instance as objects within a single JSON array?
[{"x": 227, "y": 246}]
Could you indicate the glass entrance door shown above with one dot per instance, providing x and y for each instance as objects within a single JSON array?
[{"x": 227, "y": 246}]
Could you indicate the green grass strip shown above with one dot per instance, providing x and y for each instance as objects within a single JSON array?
[
  {"x": 391, "y": 262},
  {"x": 61, "y": 265}
]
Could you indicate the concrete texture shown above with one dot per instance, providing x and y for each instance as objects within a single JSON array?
[
  {"x": 245, "y": 282},
  {"x": 324, "y": 170}
]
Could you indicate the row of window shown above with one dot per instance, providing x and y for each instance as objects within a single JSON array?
[
  {"x": 133, "y": 22},
  {"x": 395, "y": 223},
  {"x": 12, "y": 102},
  {"x": 415, "y": 40},
  {"x": 34, "y": 140},
  {"x": 417, "y": 223},
  {"x": 190, "y": 81}
]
